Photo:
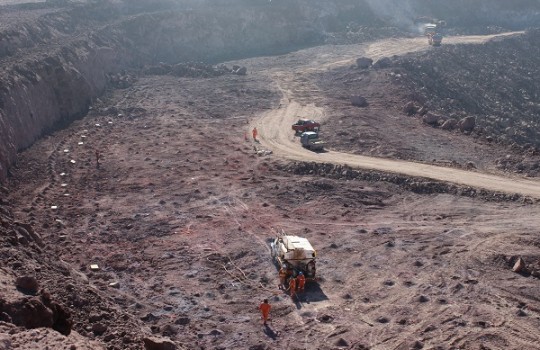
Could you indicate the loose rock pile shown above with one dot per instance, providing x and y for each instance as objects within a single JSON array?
[
  {"x": 416, "y": 185},
  {"x": 39, "y": 291},
  {"x": 468, "y": 84}
]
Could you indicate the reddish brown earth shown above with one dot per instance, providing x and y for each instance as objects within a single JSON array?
[{"x": 181, "y": 208}]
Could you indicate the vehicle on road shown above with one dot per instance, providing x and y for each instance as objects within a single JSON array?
[
  {"x": 294, "y": 254},
  {"x": 303, "y": 125},
  {"x": 435, "y": 39},
  {"x": 311, "y": 141},
  {"x": 430, "y": 29}
]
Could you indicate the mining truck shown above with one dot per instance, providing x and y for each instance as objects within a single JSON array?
[
  {"x": 311, "y": 141},
  {"x": 294, "y": 254},
  {"x": 435, "y": 39}
]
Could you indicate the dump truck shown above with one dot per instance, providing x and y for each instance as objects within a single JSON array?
[
  {"x": 303, "y": 125},
  {"x": 294, "y": 254},
  {"x": 435, "y": 39},
  {"x": 430, "y": 29},
  {"x": 311, "y": 141}
]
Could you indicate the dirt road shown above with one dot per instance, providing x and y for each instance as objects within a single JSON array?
[{"x": 275, "y": 132}]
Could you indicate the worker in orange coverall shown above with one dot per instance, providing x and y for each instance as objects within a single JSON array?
[
  {"x": 255, "y": 133},
  {"x": 265, "y": 310},
  {"x": 301, "y": 279},
  {"x": 292, "y": 287}
]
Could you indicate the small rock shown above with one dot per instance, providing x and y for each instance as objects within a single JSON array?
[
  {"x": 423, "y": 299},
  {"x": 115, "y": 285},
  {"x": 325, "y": 319},
  {"x": 383, "y": 319},
  {"x": 342, "y": 343},
  {"x": 27, "y": 284},
  {"x": 99, "y": 328},
  {"x": 359, "y": 101},
  {"x": 182, "y": 321},
  {"x": 216, "y": 332},
  {"x": 519, "y": 266},
  {"x": 169, "y": 330},
  {"x": 154, "y": 343},
  {"x": 417, "y": 345}
]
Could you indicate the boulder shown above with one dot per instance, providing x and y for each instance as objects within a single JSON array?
[
  {"x": 30, "y": 313},
  {"x": 155, "y": 343},
  {"x": 241, "y": 71},
  {"x": 467, "y": 124},
  {"x": 470, "y": 165},
  {"x": 99, "y": 328},
  {"x": 410, "y": 108},
  {"x": 519, "y": 266},
  {"x": 364, "y": 62},
  {"x": 384, "y": 62},
  {"x": 431, "y": 118},
  {"x": 27, "y": 284},
  {"x": 450, "y": 124},
  {"x": 359, "y": 101}
]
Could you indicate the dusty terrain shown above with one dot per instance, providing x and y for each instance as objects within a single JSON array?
[{"x": 180, "y": 210}]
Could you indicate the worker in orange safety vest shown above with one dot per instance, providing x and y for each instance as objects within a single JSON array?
[
  {"x": 265, "y": 310},
  {"x": 301, "y": 279},
  {"x": 292, "y": 287}
]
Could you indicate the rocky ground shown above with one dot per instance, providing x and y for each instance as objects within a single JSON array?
[
  {"x": 145, "y": 223},
  {"x": 490, "y": 86},
  {"x": 178, "y": 215}
]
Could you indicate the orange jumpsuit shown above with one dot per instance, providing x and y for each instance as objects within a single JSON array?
[
  {"x": 292, "y": 286},
  {"x": 301, "y": 283},
  {"x": 255, "y": 133},
  {"x": 265, "y": 310}
]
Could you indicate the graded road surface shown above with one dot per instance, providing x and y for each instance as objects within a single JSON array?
[{"x": 275, "y": 125}]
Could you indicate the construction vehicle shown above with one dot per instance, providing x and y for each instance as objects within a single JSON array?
[
  {"x": 435, "y": 39},
  {"x": 294, "y": 254},
  {"x": 303, "y": 125},
  {"x": 311, "y": 141},
  {"x": 430, "y": 29}
]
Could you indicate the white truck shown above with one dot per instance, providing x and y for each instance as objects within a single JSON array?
[
  {"x": 311, "y": 141},
  {"x": 294, "y": 254}
]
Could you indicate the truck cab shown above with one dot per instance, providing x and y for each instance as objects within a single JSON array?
[
  {"x": 311, "y": 141},
  {"x": 303, "y": 125}
]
